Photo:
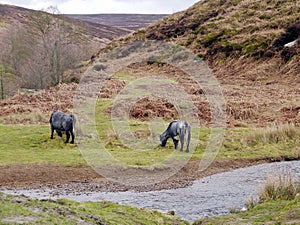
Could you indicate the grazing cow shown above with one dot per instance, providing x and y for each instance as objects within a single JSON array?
[
  {"x": 62, "y": 122},
  {"x": 177, "y": 128}
]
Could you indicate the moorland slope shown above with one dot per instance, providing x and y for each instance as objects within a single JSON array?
[{"x": 245, "y": 45}]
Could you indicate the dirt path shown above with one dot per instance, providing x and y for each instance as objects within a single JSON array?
[{"x": 86, "y": 179}]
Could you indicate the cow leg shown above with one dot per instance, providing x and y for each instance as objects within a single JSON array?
[
  {"x": 68, "y": 136},
  {"x": 188, "y": 140},
  {"x": 181, "y": 137},
  {"x": 188, "y": 146},
  {"x": 52, "y": 131},
  {"x": 175, "y": 141},
  {"x": 59, "y": 133},
  {"x": 72, "y": 134}
]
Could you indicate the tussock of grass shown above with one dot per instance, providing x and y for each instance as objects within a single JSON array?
[
  {"x": 281, "y": 187},
  {"x": 274, "y": 134},
  {"x": 278, "y": 203},
  {"x": 271, "y": 212},
  {"x": 277, "y": 188}
]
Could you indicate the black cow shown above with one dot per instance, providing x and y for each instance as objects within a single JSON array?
[
  {"x": 62, "y": 122},
  {"x": 177, "y": 128}
]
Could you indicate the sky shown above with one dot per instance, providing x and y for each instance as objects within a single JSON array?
[{"x": 106, "y": 6}]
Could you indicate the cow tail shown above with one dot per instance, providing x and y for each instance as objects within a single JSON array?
[
  {"x": 188, "y": 132},
  {"x": 73, "y": 122}
]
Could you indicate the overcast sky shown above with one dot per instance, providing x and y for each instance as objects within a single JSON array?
[{"x": 106, "y": 6}]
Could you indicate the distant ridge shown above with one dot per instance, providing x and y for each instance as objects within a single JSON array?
[
  {"x": 10, "y": 14},
  {"x": 107, "y": 26},
  {"x": 129, "y": 22}
]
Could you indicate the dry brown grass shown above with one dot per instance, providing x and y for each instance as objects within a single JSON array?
[
  {"x": 45, "y": 101},
  {"x": 35, "y": 117}
]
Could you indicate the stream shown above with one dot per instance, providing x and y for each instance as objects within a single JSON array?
[{"x": 215, "y": 195}]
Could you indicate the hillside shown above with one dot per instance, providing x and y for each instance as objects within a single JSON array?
[
  {"x": 243, "y": 43},
  {"x": 105, "y": 27},
  {"x": 240, "y": 26},
  {"x": 65, "y": 44},
  {"x": 232, "y": 29},
  {"x": 13, "y": 14}
]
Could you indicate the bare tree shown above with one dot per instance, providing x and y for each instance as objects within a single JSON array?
[
  {"x": 16, "y": 47},
  {"x": 35, "y": 54},
  {"x": 56, "y": 41},
  {"x": 2, "y": 73},
  {"x": 8, "y": 82},
  {"x": 14, "y": 53}
]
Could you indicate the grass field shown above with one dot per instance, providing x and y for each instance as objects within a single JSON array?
[
  {"x": 32, "y": 144},
  {"x": 273, "y": 141}
]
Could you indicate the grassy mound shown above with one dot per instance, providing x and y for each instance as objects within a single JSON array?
[{"x": 20, "y": 210}]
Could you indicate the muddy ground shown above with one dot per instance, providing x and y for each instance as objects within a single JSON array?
[{"x": 70, "y": 179}]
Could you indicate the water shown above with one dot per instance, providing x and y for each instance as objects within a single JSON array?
[{"x": 211, "y": 196}]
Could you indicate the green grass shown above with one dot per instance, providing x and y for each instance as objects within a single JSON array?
[
  {"x": 274, "y": 141},
  {"x": 32, "y": 144},
  {"x": 261, "y": 142},
  {"x": 122, "y": 75},
  {"x": 20, "y": 209},
  {"x": 124, "y": 154},
  {"x": 244, "y": 23}
]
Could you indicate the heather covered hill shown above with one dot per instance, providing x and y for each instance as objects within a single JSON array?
[
  {"x": 243, "y": 26},
  {"x": 101, "y": 26},
  {"x": 247, "y": 45},
  {"x": 222, "y": 30}
]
